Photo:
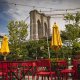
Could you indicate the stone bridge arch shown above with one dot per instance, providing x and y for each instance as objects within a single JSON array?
[{"x": 39, "y": 25}]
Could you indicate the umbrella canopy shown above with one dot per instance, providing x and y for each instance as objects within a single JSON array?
[
  {"x": 56, "y": 42},
  {"x": 4, "y": 47}
]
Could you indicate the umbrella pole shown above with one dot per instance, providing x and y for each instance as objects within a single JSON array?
[
  {"x": 56, "y": 55},
  {"x": 4, "y": 58}
]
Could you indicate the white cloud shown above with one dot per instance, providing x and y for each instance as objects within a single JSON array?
[{"x": 21, "y": 12}]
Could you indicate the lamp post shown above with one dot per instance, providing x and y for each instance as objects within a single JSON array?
[{"x": 48, "y": 42}]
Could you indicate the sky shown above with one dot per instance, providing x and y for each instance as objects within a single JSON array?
[{"x": 19, "y": 10}]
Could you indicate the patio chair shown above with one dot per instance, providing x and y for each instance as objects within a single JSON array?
[
  {"x": 44, "y": 69},
  {"x": 27, "y": 69},
  {"x": 75, "y": 67},
  {"x": 13, "y": 67},
  {"x": 65, "y": 73},
  {"x": 4, "y": 70},
  {"x": 61, "y": 64}
]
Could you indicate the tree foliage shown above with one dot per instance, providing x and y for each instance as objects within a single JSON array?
[
  {"x": 37, "y": 49},
  {"x": 72, "y": 30},
  {"x": 17, "y": 38},
  {"x": 69, "y": 17}
]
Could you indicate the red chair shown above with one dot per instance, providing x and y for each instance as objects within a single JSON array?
[
  {"x": 61, "y": 64},
  {"x": 44, "y": 69},
  {"x": 4, "y": 70},
  {"x": 27, "y": 69},
  {"x": 13, "y": 67},
  {"x": 75, "y": 67},
  {"x": 65, "y": 73}
]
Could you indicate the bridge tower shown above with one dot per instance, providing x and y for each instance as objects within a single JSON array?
[{"x": 39, "y": 25}]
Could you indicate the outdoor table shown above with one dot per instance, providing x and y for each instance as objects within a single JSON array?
[{"x": 65, "y": 72}]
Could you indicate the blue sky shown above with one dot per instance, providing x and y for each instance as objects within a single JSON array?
[{"x": 19, "y": 10}]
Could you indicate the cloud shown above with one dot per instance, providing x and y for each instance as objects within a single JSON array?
[
  {"x": 3, "y": 5},
  {"x": 10, "y": 11},
  {"x": 18, "y": 14},
  {"x": 23, "y": 7}
]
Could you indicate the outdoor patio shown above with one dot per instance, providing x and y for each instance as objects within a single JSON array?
[
  {"x": 39, "y": 39},
  {"x": 38, "y": 70}
]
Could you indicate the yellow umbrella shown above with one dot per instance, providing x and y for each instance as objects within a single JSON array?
[
  {"x": 56, "y": 42},
  {"x": 4, "y": 47},
  {"x": 0, "y": 50}
]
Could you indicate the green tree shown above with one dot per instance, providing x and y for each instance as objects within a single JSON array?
[
  {"x": 69, "y": 17},
  {"x": 76, "y": 47},
  {"x": 37, "y": 49},
  {"x": 17, "y": 38},
  {"x": 72, "y": 30}
]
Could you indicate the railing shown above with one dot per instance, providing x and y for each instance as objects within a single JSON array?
[
  {"x": 16, "y": 69},
  {"x": 21, "y": 69}
]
